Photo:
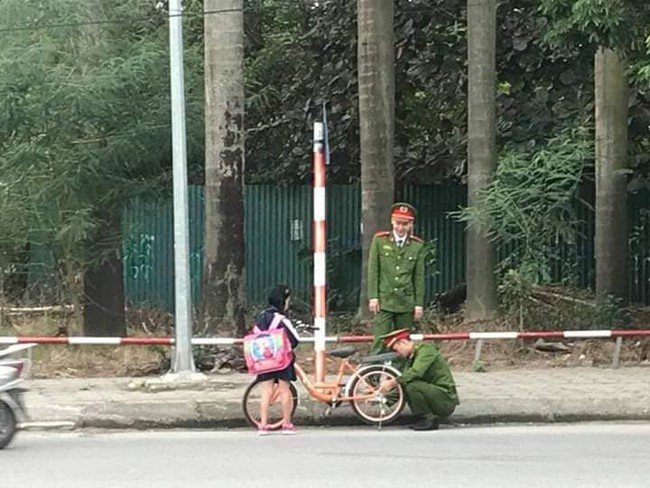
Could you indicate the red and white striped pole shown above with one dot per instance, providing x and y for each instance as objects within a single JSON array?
[{"x": 319, "y": 242}]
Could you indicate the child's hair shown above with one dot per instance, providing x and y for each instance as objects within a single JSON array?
[{"x": 278, "y": 296}]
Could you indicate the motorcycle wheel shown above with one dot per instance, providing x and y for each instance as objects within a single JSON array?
[{"x": 7, "y": 425}]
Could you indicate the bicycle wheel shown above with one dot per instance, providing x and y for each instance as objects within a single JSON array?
[
  {"x": 253, "y": 398},
  {"x": 371, "y": 405}
]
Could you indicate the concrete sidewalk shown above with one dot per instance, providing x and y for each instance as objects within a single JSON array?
[{"x": 557, "y": 394}]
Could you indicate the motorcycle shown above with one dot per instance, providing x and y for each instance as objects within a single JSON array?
[{"x": 12, "y": 410}]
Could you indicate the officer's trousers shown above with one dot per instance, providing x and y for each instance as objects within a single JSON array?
[
  {"x": 427, "y": 399},
  {"x": 386, "y": 322}
]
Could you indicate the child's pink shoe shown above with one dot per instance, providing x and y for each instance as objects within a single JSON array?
[
  {"x": 263, "y": 430},
  {"x": 288, "y": 429}
]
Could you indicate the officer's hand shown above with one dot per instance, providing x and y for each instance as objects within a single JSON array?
[
  {"x": 373, "y": 305},
  {"x": 387, "y": 385},
  {"x": 419, "y": 311}
]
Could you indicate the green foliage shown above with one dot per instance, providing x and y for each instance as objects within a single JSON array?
[
  {"x": 640, "y": 65},
  {"x": 615, "y": 24},
  {"x": 610, "y": 313},
  {"x": 621, "y": 25},
  {"x": 516, "y": 289},
  {"x": 478, "y": 366},
  {"x": 299, "y": 57},
  {"x": 84, "y": 124},
  {"x": 84, "y": 107},
  {"x": 529, "y": 204}
]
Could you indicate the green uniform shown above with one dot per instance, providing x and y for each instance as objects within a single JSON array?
[
  {"x": 396, "y": 278},
  {"x": 428, "y": 383}
]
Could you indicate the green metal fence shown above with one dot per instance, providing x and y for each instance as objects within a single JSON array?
[{"x": 278, "y": 236}]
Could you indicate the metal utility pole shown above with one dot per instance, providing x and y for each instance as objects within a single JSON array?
[{"x": 182, "y": 361}]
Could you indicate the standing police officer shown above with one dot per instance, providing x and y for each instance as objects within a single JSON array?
[{"x": 396, "y": 276}]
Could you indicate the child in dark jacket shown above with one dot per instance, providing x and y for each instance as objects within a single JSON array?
[{"x": 278, "y": 303}]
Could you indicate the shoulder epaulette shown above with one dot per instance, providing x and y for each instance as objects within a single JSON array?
[
  {"x": 382, "y": 233},
  {"x": 417, "y": 239}
]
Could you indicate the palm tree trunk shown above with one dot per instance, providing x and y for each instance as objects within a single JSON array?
[
  {"x": 611, "y": 238},
  {"x": 376, "y": 67},
  {"x": 481, "y": 140},
  {"x": 223, "y": 304},
  {"x": 103, "y": 281}
]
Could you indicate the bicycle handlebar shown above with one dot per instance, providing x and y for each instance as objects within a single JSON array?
[{"x": 307, "y": 327}]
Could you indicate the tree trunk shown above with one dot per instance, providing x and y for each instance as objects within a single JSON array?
[
  {"x": 481, "y": 158},
  {"x": 223, "y": 305},
  {"x": 611, "y": 238},
  {"x": 103, "y": 281},
  {"x": 376, "y": 74}
]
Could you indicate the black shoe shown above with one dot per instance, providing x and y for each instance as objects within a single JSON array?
[{"x": 426, "y": 423}]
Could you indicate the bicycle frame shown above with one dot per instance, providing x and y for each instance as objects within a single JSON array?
[
  {"x": 325, "y": 392},
  {"x": 330, "y": 393}
]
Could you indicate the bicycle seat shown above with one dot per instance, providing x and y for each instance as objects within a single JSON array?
[
  {"x": 342, "y": 352},
  {"x": 379, "y": 358}
]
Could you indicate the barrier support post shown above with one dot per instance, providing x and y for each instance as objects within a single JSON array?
[
  {"x": 617, "y": 352},
  {"x": 477, "y": 351}
]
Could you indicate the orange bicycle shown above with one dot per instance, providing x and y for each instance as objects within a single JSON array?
[{"x": 360, "y": 390}]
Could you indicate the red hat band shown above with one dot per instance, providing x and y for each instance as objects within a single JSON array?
[
  {"x": 403, "y": 212},
  {"x": 398, "y": 335}
]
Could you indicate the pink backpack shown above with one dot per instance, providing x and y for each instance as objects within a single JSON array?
[{"x": 269, "y": 350}]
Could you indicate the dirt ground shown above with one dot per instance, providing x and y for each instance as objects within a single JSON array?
[{"x": 96, "y": 361}]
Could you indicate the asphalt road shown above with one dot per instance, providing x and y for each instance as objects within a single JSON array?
[{"x": 576, "y": 455}]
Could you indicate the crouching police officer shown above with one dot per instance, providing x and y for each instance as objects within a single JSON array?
[{"x": 426, "y": 378}]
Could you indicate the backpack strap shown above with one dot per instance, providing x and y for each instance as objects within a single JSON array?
[{"x": 277, "y": 319}]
